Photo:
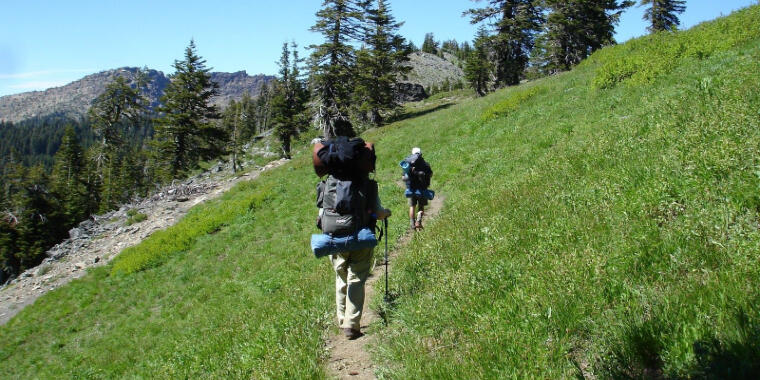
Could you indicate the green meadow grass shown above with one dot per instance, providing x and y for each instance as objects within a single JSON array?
[{"x": 611, "y": 230}]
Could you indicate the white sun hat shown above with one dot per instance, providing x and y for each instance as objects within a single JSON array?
[{"x": 416, "y": 150}]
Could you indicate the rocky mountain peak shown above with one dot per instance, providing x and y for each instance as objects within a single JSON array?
[{"x": 74, "y": 99}]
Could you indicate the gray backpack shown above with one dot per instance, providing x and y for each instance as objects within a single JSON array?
[{"x": 346, "y": 205}]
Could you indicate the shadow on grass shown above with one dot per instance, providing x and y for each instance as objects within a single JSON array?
[
  {"x": 412, "y": 115},
  {"x": 737, "y": 359},
  {"x": 389, "y": 303}
]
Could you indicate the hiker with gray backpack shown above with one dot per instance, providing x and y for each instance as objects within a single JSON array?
[
  {"x": 349, "y": 208},
  {"x": 417, "y": 173}
]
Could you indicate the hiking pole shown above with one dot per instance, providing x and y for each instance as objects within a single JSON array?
[{"x": 387, "y": 298}]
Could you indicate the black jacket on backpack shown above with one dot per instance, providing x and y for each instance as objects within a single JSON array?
[{"x": 419, "y": 173}]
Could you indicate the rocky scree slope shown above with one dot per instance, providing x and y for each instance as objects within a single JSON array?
[{"x": 431, "y": 70}]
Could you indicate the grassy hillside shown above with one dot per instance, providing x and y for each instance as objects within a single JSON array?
[
  {"x": 612, "y": 232},
  {"x": 595, "y": 223}
]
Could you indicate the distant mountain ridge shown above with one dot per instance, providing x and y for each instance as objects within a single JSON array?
[{"x": 74, "y": 99}]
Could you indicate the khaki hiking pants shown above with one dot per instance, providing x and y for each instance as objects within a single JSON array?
[{"x": 351, "y": 272}]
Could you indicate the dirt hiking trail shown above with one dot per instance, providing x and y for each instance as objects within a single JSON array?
[{"x": 350, "y": 359}]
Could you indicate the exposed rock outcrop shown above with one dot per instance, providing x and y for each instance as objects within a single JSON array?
[
  {"x": 431, "y": 70},
  {"x": 410, "y": 92}
]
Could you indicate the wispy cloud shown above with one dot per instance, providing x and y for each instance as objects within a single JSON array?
[{"x": 44, "y": 73}]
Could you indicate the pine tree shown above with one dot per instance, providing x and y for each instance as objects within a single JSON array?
[
  {"x": 135, "y": 176},
  {"x": 381, "y": 65},
  {"x": 32, "y": 221},
  {"x": 9, "y": 263},
  {"x": 300, "y": 91},
  {"x": 281, "y": 111},
  {"x": 247, "y": 115},
  {"x": 119, "y": 101},
  {"x": 39, "y": 223},
  {"x": 446, "y": 85},
  {"x": 67, "y": 182},
  {"x": 450, "y": 46},
  {"x": 129, "y": 178},
  {"x": 10, "y": 165},
  {"x": 289, "y": 99},
  {"x": 92, "y": 179},
  {"x": 516, "y": 22},
  {"x": 14, "y": 173},
  {"x": 663, "y": 14},
  {"x": 239, "y": 120},
  {"x": 464, "y": 51},
  {"x": 429, "y": 45},
  {"x": 477, "y": 70},
  {"x": 110, "y": 185},
  {"x": 576, "y": 28},
  {"x": 232, "y": 123},
  {"x": 186, "y": 133},
  {"x": 332, "y": 64},
  {"x": 263, "y": 109},
  {"x": 118, "y": 109}
]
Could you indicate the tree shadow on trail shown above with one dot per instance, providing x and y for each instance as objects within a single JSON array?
[{"x": 412, "y": 115}]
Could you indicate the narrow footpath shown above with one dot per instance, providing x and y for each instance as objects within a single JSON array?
[{"x": 350, "y": 359}]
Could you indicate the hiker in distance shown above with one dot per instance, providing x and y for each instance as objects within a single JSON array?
[
  {"x": 349, "y": 207},
  {"x": 417, "y": 173}
]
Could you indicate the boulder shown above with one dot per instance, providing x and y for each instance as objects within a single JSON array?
[
  {"x": 87, "y": 224},
  {"x": 410, "y": 92},
  {"x": 76, "y": 233}
]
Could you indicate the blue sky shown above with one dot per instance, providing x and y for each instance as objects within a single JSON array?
[{"x": 50, "y": 43}]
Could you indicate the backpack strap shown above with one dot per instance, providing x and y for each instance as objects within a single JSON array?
[{"x": 371, "y": 191}]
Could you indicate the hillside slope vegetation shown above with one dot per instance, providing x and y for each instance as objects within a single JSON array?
[{"x": 601, "y": 223}]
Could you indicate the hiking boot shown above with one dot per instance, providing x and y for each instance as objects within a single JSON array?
[
  {"x": 412, "y": 224},
  {"x": 351, "y": 334},
  {"x": 418, "y": 222}
]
